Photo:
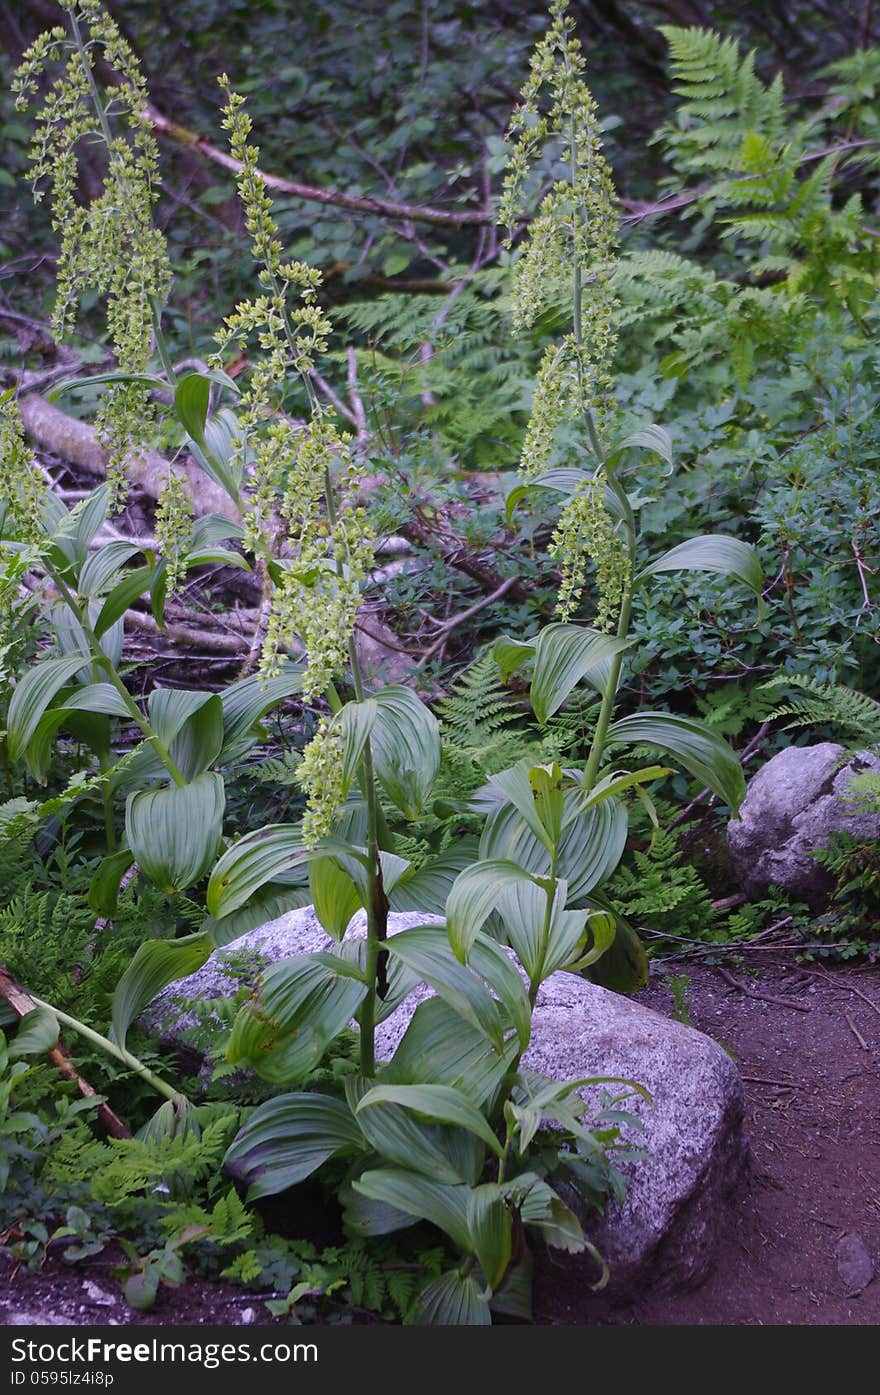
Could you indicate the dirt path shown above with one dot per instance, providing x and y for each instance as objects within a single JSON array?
[{"x": 813, "y": 1119}]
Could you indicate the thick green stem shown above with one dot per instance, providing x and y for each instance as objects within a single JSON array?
[
  {"x": 537, "y": 977},
  {"x": 95, "y": 95},
  {"x": 118, "y": 1052}
]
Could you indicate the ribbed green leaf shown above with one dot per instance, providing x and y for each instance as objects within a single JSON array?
[
  {"x": 697, "y": 747},
  {"x": 38, "y": 1032},
  {"x": 406, "y": 748},
  {"x": 192, "y": 396},
  {"x": 33, "y": 695},
  {"x": 474, "y": 895},
  {"x": 444, "y": 1206},
  {"x": 356, "y": 721},
  {"x": 491, "y": 1226},
  {"x": 104, "y": 886},
  {"x": 512, "y": 654},
  {"x": 246, "y": 701},
  {"x": 439, "y": 1047},
  {"x": 334, "y": 895},
  {"x": 427, "y": 889},
  {"x": 271, "y": 901},
  {"x": 515, "y": 786},
  {"x": 249, "y": 864},
  {"x": 712, "y": 552},
  {"x": 453, "y": 1300},
  {"x": 174, "y": 832},
  {"x": 98, "y": 697},
  {"x": 156, "y": 964},
  {"x": 564, "y": 654},
  {"x": 100, "y": 567},
  {"x": 425, "y": 950},
  {"x": 124, "y": 594},
  {"x": 288, "y": 1138},
  {"x": 651, "y": 438},
  {"x": 302, "y": 1005},
  {"x": 441, "y": 1104}
]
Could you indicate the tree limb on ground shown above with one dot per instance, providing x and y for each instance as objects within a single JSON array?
[{"x": 77, "y": 442}]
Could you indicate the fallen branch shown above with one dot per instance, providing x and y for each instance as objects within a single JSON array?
[
  {"x": 358, "y": 203},
  {"x": 762, "y": 997},
  {"x": 77, "y": 443},
  {"x": 22, "y": 1003}
]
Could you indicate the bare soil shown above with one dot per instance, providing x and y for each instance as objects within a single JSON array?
[{"x": 810, "y": 1062}]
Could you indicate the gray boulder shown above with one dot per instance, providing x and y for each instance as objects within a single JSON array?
[
  {"x": 793, "y": 805},
  {"x": 665, "y": 1231}
]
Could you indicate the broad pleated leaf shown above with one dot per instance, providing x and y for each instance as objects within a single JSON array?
[
  {"x": 712, "y": 552},
  {"x": 155, "y": 964},
  {"x": 474, "y": 895},
  {"x": 288, "y": 1138},
  {"x": 653, "y": 438},
  {"x": 34, "y": 694},
  {"x": 425, "y": 950},
  {"x": 98, "y": 697},
  {"x": 246, "y": 701},
  {"x": 406, "y": 748},
  {"x": 491, "y": 1226},
  {"x": 439, "y": 1047},
  {"x": 565, "y": 654},
  {"x": 445, "y": 1206},
  {"x": 512, "y": 654},
  {"x": 249, "y": 864},
  {"x": 302, "y": 1005},
  {"x": 334, "y": 895},
  {"x": 697, "y": 747},
  {"x": 101, "y": 567},
  {"x": 453, "y": 1300},
  {"x": 190, "y": 724},
  {"x": 174, "y": 832},
  {"x": 428, "y": 888},
  {"x": 134, "y": 584},
  {"x": 440, "y": 1104},
  {"x": 104, "y": 886},
  {"x": 38, "y": 1032},
  {"x": 271, "y": 901},
  {"x": 356, "y": 721}
]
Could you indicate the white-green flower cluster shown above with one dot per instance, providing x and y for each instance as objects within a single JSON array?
[
  {"x": 293, "y": 466},
  {"x": 174, "y": 526},
  {"x": 21, "y": 486},
  {"x": 569, "y": 255},
  {"x": 321, "y": 775},
  {"x": 110, "y": 244},
  {"x": 586, "y": 531}
]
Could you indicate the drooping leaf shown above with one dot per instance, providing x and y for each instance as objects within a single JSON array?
[
  {"x": 427, "y": 889},
  {"x": 271, "y": 901},
  {"x": 34, "y": 693},
  {"x": 174, "y": 832},
  {"x": 453, "y": 1300},
  {"x": 712, "y": 552},
  {"x": 445, "y": 1206},
  {"x": 288, "y": 1138},
  {"x": 474, "y": 895},
  {"x": 155, "y": 964},
  {"x": 335, "y": 896},
  {"x": 439, "y": 1047},
  {"x": 104, "y": 886},
  {"x": 565, "y": 654},
  {"x": 491, "y": 1226},
  {"x": 246, "y": 701},
  {"x": 697, "y": 747},
  {"x": 406, "y": 748},
  {"x": 425, "y": 950},
  {"x": 302, "y": 1005},
  {"x": 249, "y": 864},
  {"x": 123, "y": 595},
  {"x": 101, "y": 566},
  {"x": 98, "y": 697},
  {"x": 441, "y": 1104},
  {"x": 38, "y": 1031}
]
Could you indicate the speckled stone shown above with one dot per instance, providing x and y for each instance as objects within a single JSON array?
[{"x": 793, "y": 805}]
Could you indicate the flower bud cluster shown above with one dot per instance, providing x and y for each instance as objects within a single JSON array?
[
  {"x": 174, "y": 526},
  {"x": 21, "y": 486},
  {"x": 293, "y": 466},
  {"x": 586, "y": 530},
  {"x": 110, "y": 244},
  {"x": 321, "y": 775}
]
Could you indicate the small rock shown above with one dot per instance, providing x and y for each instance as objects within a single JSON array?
[
  {"x": 854, "y": 1264},
  {"x": 98, "y": 1295},
  {"x": 247, "y": 1316},
  {"x": 793, "y": 805}
]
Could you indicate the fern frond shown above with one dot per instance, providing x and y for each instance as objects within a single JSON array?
[{"x": 828, "y": 704}]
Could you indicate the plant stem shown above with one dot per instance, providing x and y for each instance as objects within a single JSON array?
[
  {"x": 537, "y": 977},
  {"x": 118, "y": 1052},
  {"x": 89, "y": 76}
]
